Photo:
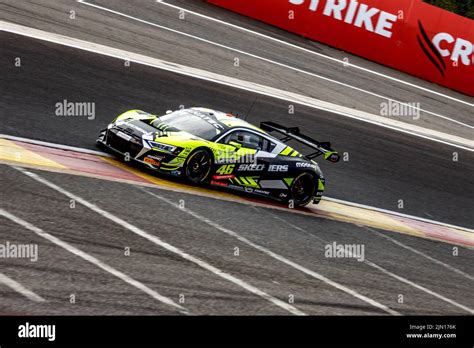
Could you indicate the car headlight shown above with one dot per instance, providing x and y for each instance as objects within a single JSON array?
[{"x": 164, "y": 147}]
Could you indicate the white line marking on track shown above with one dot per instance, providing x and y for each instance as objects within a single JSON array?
[
  {"x": 56, "y": 146},
  {"x": 88, "y": 257},
  {"x": 277, "y": 256},
  {"x": 420, "y": 132},
  {"x": 441, "y": 263},
  {"x": 419, "y": 287},
  {"x": 271, "y": 61},
  {"x": 14, "y": 285},
  {"x": 313, "y": 52},
  {"x": 216, "y": 271},
  {"x": 383, "y": 270}
]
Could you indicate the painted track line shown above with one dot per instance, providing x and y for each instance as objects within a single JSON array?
[
  {"x": 396, "y": 213},
  {"x": 441, "y": 263},
  {"x": 90, "y": 258},
  {"x": 56, "y": 146},
  {"x": 286, "y": 66},
  {"x": 277, "y": 256},
  {"x": 398, "y": 126},
  {"x": 419, "y": 287},
  {"x": 216, "y": 271},
  {"x": 162, "y": 2},
  {"x": 385, "y": 271},
  {"x": 14, "y": 285}
]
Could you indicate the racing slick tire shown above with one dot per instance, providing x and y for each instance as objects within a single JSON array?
[
  {"x": 198, "y": 166},
  {"x": 302, "y": 189}
]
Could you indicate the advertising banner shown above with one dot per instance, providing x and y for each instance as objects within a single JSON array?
[{"x": 408, "y": 35}]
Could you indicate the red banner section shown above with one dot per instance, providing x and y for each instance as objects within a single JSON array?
[{"x": 408, "y": 35}]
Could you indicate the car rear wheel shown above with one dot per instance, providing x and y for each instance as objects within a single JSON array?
[
  {"x": 198, "y": 166},
  {"x": 302, "y": 189}
]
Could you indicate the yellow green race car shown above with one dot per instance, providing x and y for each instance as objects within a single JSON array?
[{"x": 211, "y": 147}]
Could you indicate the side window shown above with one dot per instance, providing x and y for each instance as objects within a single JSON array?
[
  {"x": 247, "y": 139},
  {"x": 268, "y": 146}
]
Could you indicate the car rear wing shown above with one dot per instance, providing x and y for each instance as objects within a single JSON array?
[{"x": 322, "y": 148}]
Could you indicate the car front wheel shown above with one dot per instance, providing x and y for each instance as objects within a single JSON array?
[{"x": 198, "y": 166}]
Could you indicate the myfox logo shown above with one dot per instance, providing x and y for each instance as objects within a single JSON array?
[
  {"x": 439, "y": 47},
  {"x": 354, "y": 13}
]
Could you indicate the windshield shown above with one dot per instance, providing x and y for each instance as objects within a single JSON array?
[{"x": 197, "y": 124}]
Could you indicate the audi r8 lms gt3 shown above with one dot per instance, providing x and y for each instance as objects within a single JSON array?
[{"x": 211, "y": 147}]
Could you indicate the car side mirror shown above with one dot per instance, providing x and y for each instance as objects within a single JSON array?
[{"x": 235, "y": 144}]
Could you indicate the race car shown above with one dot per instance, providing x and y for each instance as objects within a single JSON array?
[{"x": 206, "y": 146}]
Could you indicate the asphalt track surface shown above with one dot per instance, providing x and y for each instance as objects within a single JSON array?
[
  {"x": 383, "y": 167},
  {"x": 138, "y": 33},
  {"x": 57, "y": 274}
]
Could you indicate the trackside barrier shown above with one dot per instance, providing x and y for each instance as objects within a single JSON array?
[{"x": 408, "y": 35}]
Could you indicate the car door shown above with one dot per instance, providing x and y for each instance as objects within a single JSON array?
[{"x": 250, "y": 158}]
